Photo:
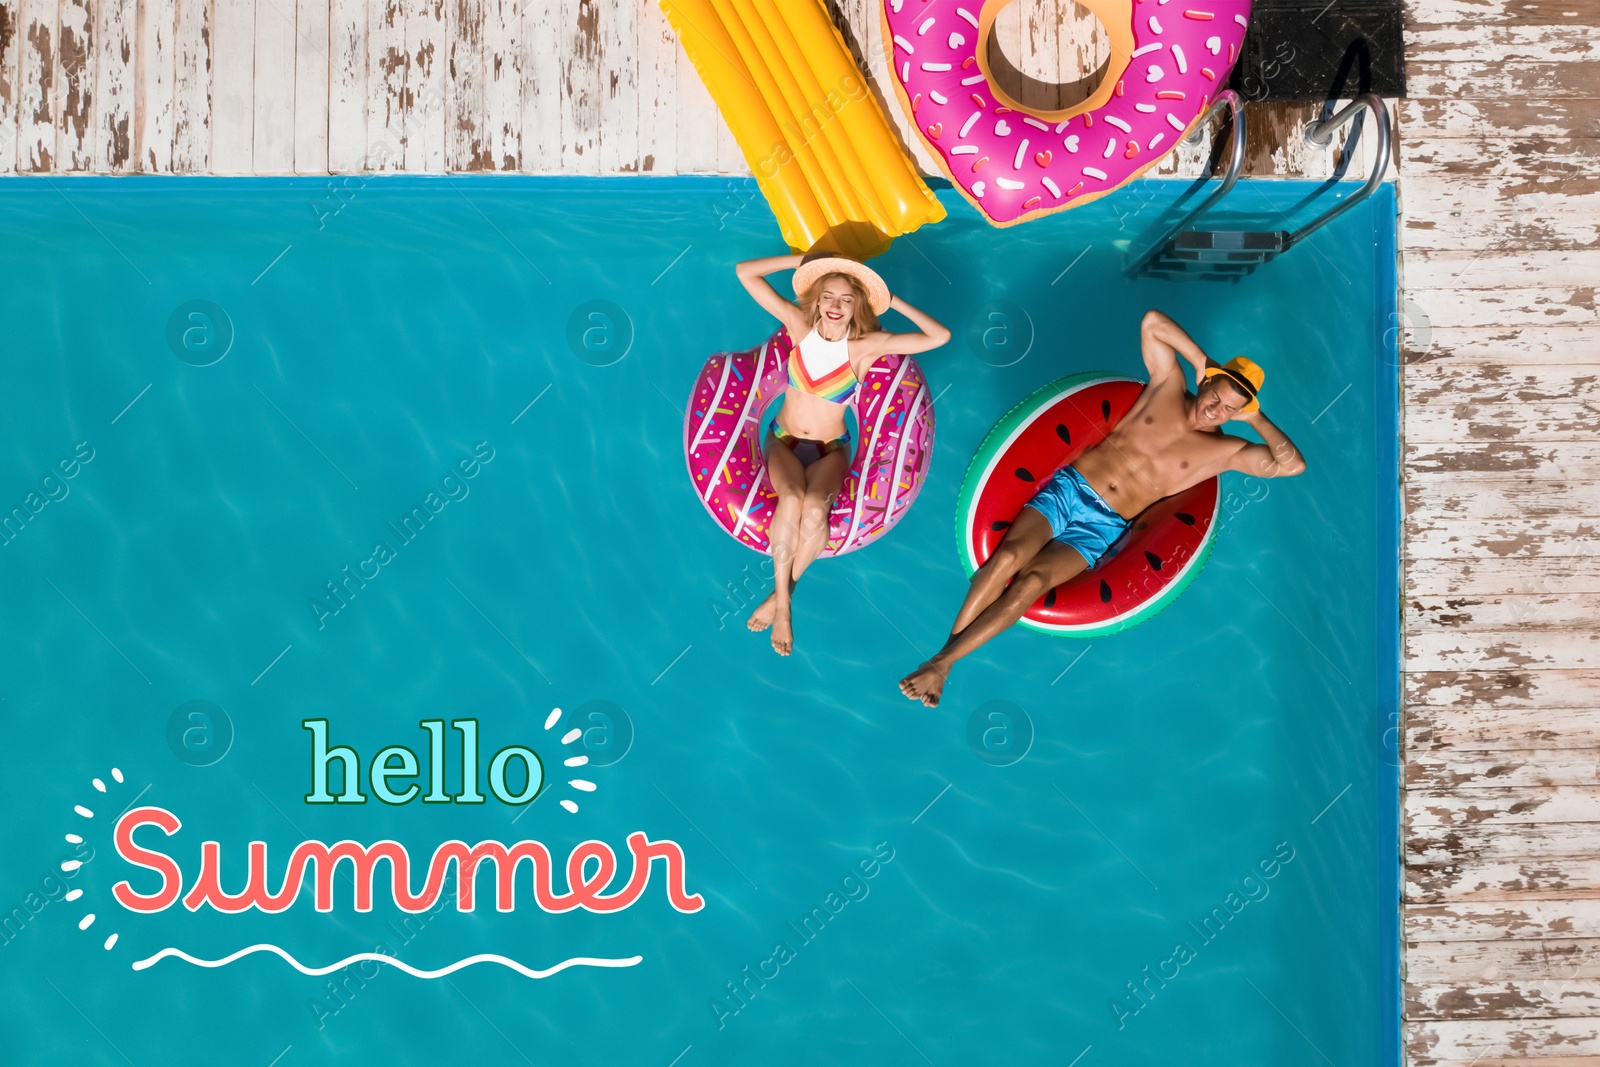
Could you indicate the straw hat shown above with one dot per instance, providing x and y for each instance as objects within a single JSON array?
[
  {"x": 819, "y": 264},
  {"x": 1244, "y": 375}
]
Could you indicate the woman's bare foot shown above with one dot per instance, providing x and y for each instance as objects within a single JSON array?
[
  {"x": 926, "y": 683},
  {"x": 761, "y": 618},
  {"x": 782, "y": 634}
]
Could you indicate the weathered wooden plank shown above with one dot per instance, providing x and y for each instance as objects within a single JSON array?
[
  {"x": 1502, "y": 997},
  {"x": 1510, "y": 1040},
  {"x": 388, "y": 63},
  {"x": 1504, "y": 689},
  {"x": 1508, "y": 459},
  {"x": 10, "y": 48},
  {"x": 1424, "y": 13},
  {"x": 1516, "y": 158},
  {"x": 311, "y": 84},
  {"x": 1504, "y": 791},
  {"x": 658, "y": 86},
  {"x": 112, "y": 137},
  {"x": 1491, "y": 269},
  {"x": 427, "y": 39},
  {"x": 464, "y": 102},
  {"x": 582, "y": 60},
  {"x": 1489, "y": 78},
  {"x": 1467, "y": 878},
  {"x": 233, "y": 87},
  {"x": 1467, "y": 42},
  {"x": 1498, "y": 216},
  {"x": 697, "y": 121},
  {"x": 1485, "y": 1059},
  {"x": 542, "y": 135},
  {"x": 1494, "y": 650},
  {"x": 1551, "y": 845},
  {"x": 1424, "y": 343},
  {"x": 1501, "y": 921},
  {"x": 501, "y": 130},
  {"x": 1503, "y": 420},
  {"x": 1491, "y": 575},
  {"x": 1554, "y": 960},
  {"x": 618, "y": 146},
  {"x": 347, "y": 86},
  {"x": 273, "y": 98},
  {"x": 1044, "y": 25},
  {"x": 36, "y": 107},
  {"x": 1567, "y": 306},
  {"x": 74, "y": 80},
  {"x": 1472, "y": 728},
  {"x": 1472, "y": 539},
  {"x": 1439, "y": 497},
  {"x": 1277, "y": 146},
  {"x": 155, "y": 88},
  {"x": 1467, "y": 614},
  {"x": 1496, "y": 117},
  {"x": 730, "y": 157},
  {"x": 191, "y": 89}
]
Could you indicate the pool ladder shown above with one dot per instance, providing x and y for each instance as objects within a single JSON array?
[{"x": 1184, "y": 250}]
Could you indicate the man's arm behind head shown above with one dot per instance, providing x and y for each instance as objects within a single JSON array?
[
  {"x": 1162, "y": 342},
  {"x": 1277, "y": 458}
]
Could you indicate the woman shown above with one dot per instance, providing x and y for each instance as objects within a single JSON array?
[{"x": 807, "y": 448}]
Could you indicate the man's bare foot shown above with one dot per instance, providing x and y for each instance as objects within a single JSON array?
[
  {"x": 926, "y": 683},
  {"x": 761, "y": 618},
  {"x": 782, "y": 634}
]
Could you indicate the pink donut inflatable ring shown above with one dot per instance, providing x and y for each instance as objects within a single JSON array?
[
  {"x": 723, "y": 432},
  {"x": 1169, "y": 58}
]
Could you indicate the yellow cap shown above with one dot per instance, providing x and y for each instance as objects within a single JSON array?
[{"x": 1243, "y": 374}]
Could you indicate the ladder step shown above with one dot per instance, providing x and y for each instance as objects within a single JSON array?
[{"x": 1270, "y": 241}]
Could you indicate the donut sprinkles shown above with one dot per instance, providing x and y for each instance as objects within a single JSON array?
[
  {"x": 724, "y": 428},
  {"x": 1014, "y": 165}
]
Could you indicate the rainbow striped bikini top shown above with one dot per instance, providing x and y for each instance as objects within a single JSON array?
[{"x": 822, "y": 368}]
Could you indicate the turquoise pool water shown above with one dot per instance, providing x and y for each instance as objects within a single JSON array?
[{"x": 253, "y": 383}]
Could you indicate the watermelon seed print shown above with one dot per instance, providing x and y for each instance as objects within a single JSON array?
[
  {"x": 1154, "y": 560},
  {"x": 1025, "y": 474},
  {"x": 1063, "y": 433},
  {"x": 999, "y": 524},
  {"x": 1050, "y": 597},
  {"x": 1105, "y": 592},
  {"x": 1187, "y": 520}
]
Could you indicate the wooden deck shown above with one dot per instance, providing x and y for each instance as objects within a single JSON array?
[
  {"x": 1500, "y": 256},
  {"x": 536, "y": 86}
]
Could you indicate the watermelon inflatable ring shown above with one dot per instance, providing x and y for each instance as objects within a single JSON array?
[{"x": 1163, "y": 550}]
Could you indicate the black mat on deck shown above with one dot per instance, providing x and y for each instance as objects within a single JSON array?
[{"x": 1309, "y": 50}]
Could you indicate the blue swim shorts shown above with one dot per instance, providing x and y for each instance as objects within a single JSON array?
[{"x": 1077, "y": 515}]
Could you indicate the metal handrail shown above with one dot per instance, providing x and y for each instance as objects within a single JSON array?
[
  {"x": 1320, "y": 135},
  {"x": 1235, "y": 105}
]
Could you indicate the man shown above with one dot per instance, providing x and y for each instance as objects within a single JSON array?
[{"x": 1167, "y": 442}]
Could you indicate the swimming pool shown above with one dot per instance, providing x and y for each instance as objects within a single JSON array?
[{"x": 1180, "y": 838}]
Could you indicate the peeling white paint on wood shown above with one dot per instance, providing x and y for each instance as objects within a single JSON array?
[
  {"x": 191, "y": 103},
  {"x": 111, "y": 133},
  {"x": 36, "y": 118},
  {"x": 312, "y": 85}
]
